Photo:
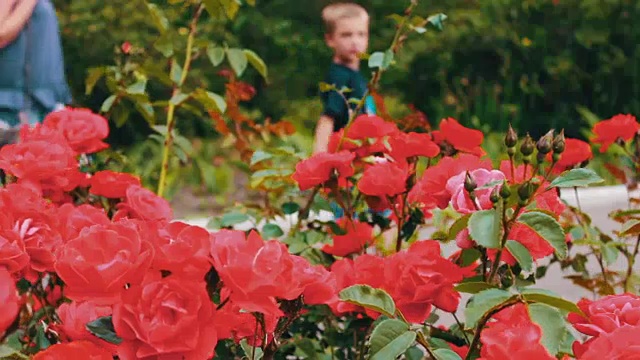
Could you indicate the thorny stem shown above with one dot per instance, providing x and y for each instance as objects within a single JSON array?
[
  {"x": 461, "y": 327},
  {"x": 423, "y": 341},
  {"x": 304, "y": 213},
  {"x": 506, "y": 224},
  {"x": 631, "y": 262},
  {"x": 483, "y": 321},
  {"x": 168, "y": 137}
]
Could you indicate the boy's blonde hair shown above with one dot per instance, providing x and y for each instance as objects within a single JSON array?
[{"x": 334, "y": 12}]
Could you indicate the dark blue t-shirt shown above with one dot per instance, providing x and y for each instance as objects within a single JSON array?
[{"x": 334, "y": 104}]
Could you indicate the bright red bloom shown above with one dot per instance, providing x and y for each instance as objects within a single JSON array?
[
  {"x": 73, "y": 219},
  {"x": 102, "y": 260},
  {"x": 420, "y": 277},
  {"x": 384, "y": 179},
  {"x": 75, "y": 316},
  {"x": 83, "y": 129},
  {"x": 623, "y": 343},
  {"x": 182, "y": 249},
  {"x": 144, "y": 204},
  {"x": 8, "y": 299},
  {"x": 621, "y": 126},
  {"x": 258, "y": 273},
  {"x": 74, "y": 350},
  {"x": 365, "y": 269},
  {"x": 431, "y": 189},
  {"x": 358, "y": 236},
  {"x": 606, "y": 314},
  {"x": 405, "y": 145},
  {"x": 319, "y": 168},
  {"x": 512, "y": 335},
  {"x": 13, "y": 255},
  {"x": 575, "y": 152},
  {"x": 111, "y": 184},
  {"x": 50, "y": 164},
  {"x": 461, "y": 138},
  {"x": 168, "y": 318},
  {"x": 234, "y": 323},
  {"x": 371, "y": 127}
]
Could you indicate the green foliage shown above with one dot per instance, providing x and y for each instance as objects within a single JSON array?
[
  {"x": 576, "y": 178},
  {"x": 370, "y": 298},
  {"x": 390, "y": 339},
  {"x": 484, "y": 228},
  {"x": 548, "y": 229}
]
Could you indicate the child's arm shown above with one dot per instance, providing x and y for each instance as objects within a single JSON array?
[
  {"x": 12, "y": 22},
  {"x": 323, "y": 132}
]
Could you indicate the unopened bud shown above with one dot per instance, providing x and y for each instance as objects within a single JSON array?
[
  {"x": 544, "y": 144},
  {"x": 495, "y": 195},
  {"x": 559, "y": 143},
  {"x": 620, "y": 141},
  {"x": 556, "y": 157},
  {"x": 505, "y": 191},
  {"x": 524, "y": 191},
  {"x": 511, "y": 139},
  {"x": 469, "y": 184},
  {"x": 511, "y": 151},
  {"x": 527, "y": 146}
]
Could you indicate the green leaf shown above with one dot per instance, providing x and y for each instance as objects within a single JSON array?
[
  {"x": 484, "y": 228},
  {"x": 631, "y": 227},
  {"x": 610, "y": 253},
  {"x": 164, "y": 44},
  {"x": 238, "y": 60},
  {"x": 521, "y": 253},
  {"x": 547, "y": 228},
  {"x": 458, "y": 225},
  {"x": 210, "y": 100},
  {"x": 576, "y": 177},
  {"x": 256, "y": 62},
  {"x": 390, "y": 339},
  {"x": 215, "y": 55},
  {"x": 158, "y": 18},
  {"x": 552, "y": 323},
  {"x": 473, "y": 287},
  {"x": 446, "y": 354},
  {"x": 146, "y": 110},
  {"x": 290, "y": 208},
  {"x": 376, "y": 59},
  {"x": 233, "y": 218},
  {"x": 93, "y": 75},
  {"x": 541, "y": 296},
  {"x": 178, "y": 98},
  {"x": 7, "y": 352},
  {"x": 483, "y": 302},
  {"x": 413, "y": 353},
  {"x": 102, "y": 327},
  {"x": 259, "y": 156},
  {"x": 175, "y": 73},
  {"x": 108, "y": 103},
  {"x": 437, "y": 20},
  {"x": 254, "y": 353},
  {"x": 370, "y": 298},
  {"x": 271, "y": 231}
]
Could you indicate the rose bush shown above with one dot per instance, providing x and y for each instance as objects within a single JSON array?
[{"x": 102, "y": 269}]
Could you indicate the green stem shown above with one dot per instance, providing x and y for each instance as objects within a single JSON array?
[
  {"x": 632, "y": 261},
  {"x": 168, "y": 137}
]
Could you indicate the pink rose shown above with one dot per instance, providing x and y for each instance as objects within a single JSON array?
[{"x": 460, "y": 197}]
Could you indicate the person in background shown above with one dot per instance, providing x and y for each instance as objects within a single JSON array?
[
  {"x": 32, "y": 78},
  {"x": 347, "y": 34}
]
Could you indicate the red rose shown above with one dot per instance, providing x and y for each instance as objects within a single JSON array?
[
  {"x": 511, "y": 334},
  {"x": 83, "y": 129},
  {"x": 111, "y": 184},
  {"x": 169, "y": 318},
  {"x": 606, "y": 314},
  {"x": 234, "y": 323},
  {"x": 8, "y": 299},
  {"x": 575, "y": 152},
  {"x": 621, "y": 126},
  {"x": 405, "y": 145},
  {"x": 420, "y": 277},
  {"x": 13, "y": 255},
  {"x": 358, "y": 236},
  {"x": 370, "y": 127},
  {"x": 50, "y": 164},
  {"x": 461, "y": 138},
  {"x": 73, "y": 219},
  {"x": 319, "y": 168},
  {"x": 182, "y": 249},
  {"x": 125, "y": 47},
  {"x": 144, "y": 204},
  {"x": 102, "y": 260},
  {"x": 366, "y": 270},
  {"x": 74, "y": 350},
  {"x": 75, "y": 316},
  {"x": 623, "y": 343},
  {"x": 383, "y": 179}
]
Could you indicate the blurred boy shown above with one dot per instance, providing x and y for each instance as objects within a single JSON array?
[{"x": 347, "y": 34}]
